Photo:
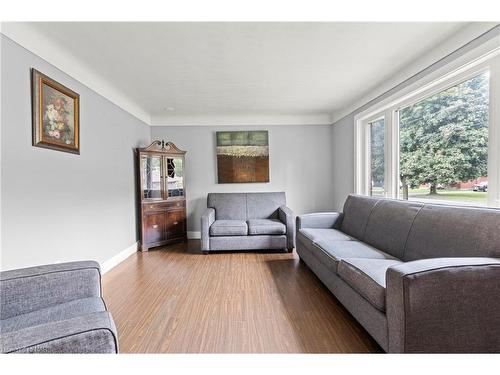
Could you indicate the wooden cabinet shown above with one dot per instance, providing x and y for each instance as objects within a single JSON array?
[{"x": 162, "y": 194}]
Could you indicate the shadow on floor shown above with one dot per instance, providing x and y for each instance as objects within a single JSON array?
[
  {"x": 193, "y": 247},
  {"x": 320, "y": 322}
]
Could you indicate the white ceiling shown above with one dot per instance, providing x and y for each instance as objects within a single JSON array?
[{"x": 186, "y": 73}]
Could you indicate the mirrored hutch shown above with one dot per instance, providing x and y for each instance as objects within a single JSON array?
[{"x": 162, "y": 194}]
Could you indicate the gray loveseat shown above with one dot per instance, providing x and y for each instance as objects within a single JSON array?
[
  {"x": 418, "y": 277},
  {"x": 247, "y": 221},
  {"x": 55, "y": 309}
]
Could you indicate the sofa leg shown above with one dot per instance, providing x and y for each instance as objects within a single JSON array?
[
  {"x": 205, "y": 252},
  {"x": 290, "y": 250}
]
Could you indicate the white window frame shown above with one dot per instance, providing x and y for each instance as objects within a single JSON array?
[{"x": 455, "y": 73}]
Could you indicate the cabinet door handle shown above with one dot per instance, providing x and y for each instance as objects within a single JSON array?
[
  {"x": 155, "y": 226},
  {"x": 176, "y": 222}
]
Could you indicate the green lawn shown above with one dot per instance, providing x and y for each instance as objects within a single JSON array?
[
  {"x": 467, "y": 196},
  {"x": 451, "y": 195}
]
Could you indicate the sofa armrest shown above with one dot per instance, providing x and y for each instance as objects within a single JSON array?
[
  {"x": 90, "y": 333},
  {"x": 444, "y": 305},
  {"x": 319, "y": 220},
  {"x": 286, "y": 217},
  {"x": 29, "y": 289},
  {"x": 207, "y": 219}
]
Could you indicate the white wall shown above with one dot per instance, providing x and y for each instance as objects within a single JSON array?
[
  {"x": 343, "y": 160},
  {"x": 300, "y": 160},
  {"x": 58, "y": 206}
]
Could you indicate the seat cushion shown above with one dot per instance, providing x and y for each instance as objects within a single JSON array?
[
  {"x": 55, "y": 313},
  {"x": 389, "y": 225},
  {"x": 441, "y": 231},
  {"x": 330, "y": 253},
  {"x": 264, "y": 205},
  {"x": 319, "y": 234},
  {"x": 228, "y": 206},
  {"x": 265, "y": 226},
  {"x": 357, "y": 210},
  {"x": 367, "y": 277},
  {"x": 229, "y": 228}
]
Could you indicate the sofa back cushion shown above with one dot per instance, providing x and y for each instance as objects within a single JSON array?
[
  {"x": 246, "y": 206},
  {"x": 357, "y": 210},
  {"x": 389, "y": 225},
  {"x": 446, "y": 231},
  {"x": 228, "y": 206},
  {"x": 264, "y": 205}
]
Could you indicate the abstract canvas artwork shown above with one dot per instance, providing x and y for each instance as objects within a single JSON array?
[
  {"x": 243, "y": 156},
  {"x": 55, "y": 115}
]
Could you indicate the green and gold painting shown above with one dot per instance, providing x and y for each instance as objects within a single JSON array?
[{"x": 242, "y": 156}]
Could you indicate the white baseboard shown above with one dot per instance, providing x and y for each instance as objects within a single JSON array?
[
  {"x": 194, "y": 235},
  {"x": 118, "y": 258}
]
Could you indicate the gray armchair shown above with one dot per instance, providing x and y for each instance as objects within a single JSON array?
[
  {"x": 55, "y": 309},
  {"x": 247, "y": 221}
]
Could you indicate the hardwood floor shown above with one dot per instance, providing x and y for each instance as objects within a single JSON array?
[{"x": 176, "y": 300}]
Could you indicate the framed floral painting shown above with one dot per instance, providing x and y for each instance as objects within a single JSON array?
[{"x": 55, "y": 114}]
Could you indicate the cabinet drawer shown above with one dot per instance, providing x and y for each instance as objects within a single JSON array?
[
  {"x": 176, "y": 223},
  {"x": 162, "y": 206},
  {"x": 153, "y": 206},
  {"x": 176, "y": 205},
  {"x": 154, "y": 227}
]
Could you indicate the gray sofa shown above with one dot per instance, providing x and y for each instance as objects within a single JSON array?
[
  {"x": 55, "y": 309},
  {"x": 420, "y": 278},
  {"x": 247, "y": 221}
]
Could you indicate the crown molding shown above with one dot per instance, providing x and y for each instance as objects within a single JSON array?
[
  {"x": 447, "y": 47},
  {"x": 26, "y": 36},
  {"x": 241, "y": 120}
]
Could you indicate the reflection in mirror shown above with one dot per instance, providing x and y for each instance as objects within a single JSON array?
[
  {"x": 151, "y": 176},
  {"x": 175, "y": 175}
]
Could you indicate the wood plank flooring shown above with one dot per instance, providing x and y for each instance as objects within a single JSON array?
[{"x": 177, "y": 300}]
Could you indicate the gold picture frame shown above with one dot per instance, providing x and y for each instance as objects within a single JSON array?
[{"x": 55, "y": 114}]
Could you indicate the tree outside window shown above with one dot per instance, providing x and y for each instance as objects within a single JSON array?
[{"x": 444, "y": 142}]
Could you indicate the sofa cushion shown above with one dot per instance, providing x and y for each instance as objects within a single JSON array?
[
  {"x": 228, "y": 206},
  {"x": 330, "y": 253},
  {"x": 229, "y": 228},
  {"x": 265, "y": 226},
  {"x": 445, "y": 231},
  {"x": 367, "y": 277},
  {"x": 264, "y": 205},
  {"x": 389, "y": 225},
  {"x": 54, "y": 313},
  {"x": 318, "y": 234},
  {"x": 357, "y": 210}
]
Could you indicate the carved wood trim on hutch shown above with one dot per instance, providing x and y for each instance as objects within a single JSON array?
[{"x": 162, "y": 194}]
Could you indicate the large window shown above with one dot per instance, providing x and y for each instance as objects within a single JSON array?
[
  {"x": 377, "y": 164},
  {"x": 438, "y": 143},
  {"x": 444, "y": 144}
]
